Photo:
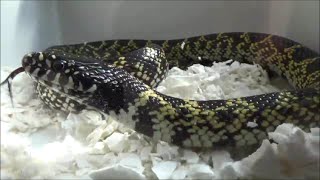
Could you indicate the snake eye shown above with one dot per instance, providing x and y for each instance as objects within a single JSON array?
[{"x": 58, "y": 66}]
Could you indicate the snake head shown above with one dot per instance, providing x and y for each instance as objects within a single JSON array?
[
  {"x": 66, "y": 72},
  {"x": 86, "y": 81},
  {"x": 83, "y": 81}
]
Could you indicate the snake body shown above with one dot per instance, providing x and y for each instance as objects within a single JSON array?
[{"x": 118, "y": 77}]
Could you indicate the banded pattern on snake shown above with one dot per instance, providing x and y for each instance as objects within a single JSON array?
[{"x": 118, "y": 77}]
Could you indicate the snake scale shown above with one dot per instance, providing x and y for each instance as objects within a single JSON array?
[{"x": 118, "y": 77}]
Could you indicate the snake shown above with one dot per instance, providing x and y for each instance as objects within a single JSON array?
[{"x": 118, "y": 77}]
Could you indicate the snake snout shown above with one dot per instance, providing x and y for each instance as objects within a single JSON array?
[
  {"x": 27, "y": 60},
  {"x": 34, "y": 65}
]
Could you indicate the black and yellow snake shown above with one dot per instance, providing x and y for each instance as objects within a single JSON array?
[{"x": 118, "y": 77}]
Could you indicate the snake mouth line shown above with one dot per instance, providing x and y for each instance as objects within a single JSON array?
[
  {"x": 43, "y": 79},
  {"x": 34, "y": 76}
]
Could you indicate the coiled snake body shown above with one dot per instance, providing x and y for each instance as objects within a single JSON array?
[{"x": 117, "y": 77}]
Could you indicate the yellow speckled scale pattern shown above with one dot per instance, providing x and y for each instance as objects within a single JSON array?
[
  {"x": 221, "y": 123},
  {"x": 128, "y": 70}
]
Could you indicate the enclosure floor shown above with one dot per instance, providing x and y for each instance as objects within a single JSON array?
[{"x": 37, "y": 142}]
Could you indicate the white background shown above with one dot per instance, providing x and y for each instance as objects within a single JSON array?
[{"x": 34, "y": 25}]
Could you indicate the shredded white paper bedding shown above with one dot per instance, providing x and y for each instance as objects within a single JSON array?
[{"x": 37, "y": 142}]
